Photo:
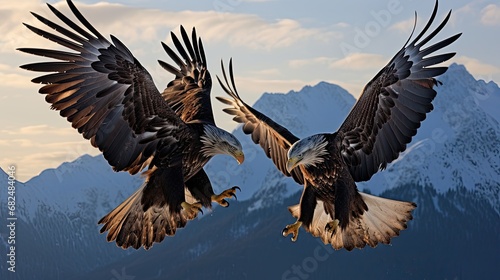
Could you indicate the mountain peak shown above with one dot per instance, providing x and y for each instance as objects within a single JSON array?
[
  {"x": 313, "y": 109},
  {"x": 323, "y": 87}
]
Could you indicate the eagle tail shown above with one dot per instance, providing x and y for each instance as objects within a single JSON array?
[
  {"x": 149, "y": 214},
  {"x": 384, "y": 219}
]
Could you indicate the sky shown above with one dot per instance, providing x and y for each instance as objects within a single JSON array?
[{"x": 276, "y": 46}]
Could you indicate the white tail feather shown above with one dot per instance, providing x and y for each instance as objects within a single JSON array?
[{"x": 384, "y": 219}]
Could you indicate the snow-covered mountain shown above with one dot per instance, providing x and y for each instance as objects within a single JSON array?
[
  {"x": 450, "y": 169},
  {"x": 57, "y": 213},
  {"x": 87, "y": 185},
  {"x": 457, "y": 146}
]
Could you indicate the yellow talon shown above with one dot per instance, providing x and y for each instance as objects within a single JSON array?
[
  {"x": 191, "y": 210},
  {"x": 220, "y": 198},
  {"x": 293, "y": 229}
]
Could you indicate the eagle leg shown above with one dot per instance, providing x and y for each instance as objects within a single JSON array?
[
  {"x": 332, "y": 226},
  {"x": 220, "y": 198},
  {"x": 293, "y": 229},
  {"x": 190, "y": 211}
]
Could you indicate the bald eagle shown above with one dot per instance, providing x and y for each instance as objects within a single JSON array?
[
  {"x": 380, "y": 125},
  {"x": 108, "y": 96}
]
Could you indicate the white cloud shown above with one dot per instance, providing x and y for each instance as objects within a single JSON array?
[
  {"x": 363, "y": 65},
  {"x": 490, "y": 15},
  {"x": 13, "y": 77},
  {"x": 24, "y": 143},
  {"x": 252, "y": 32},
  {"x": 38, "y": 130},
  {"x": 33, "y": 151},
  {"x": 478, "y": 68},
  {"x": 342, "y": 25},
  {"x": 136, "y": 25},
  {"x": 360, "y": 61},
  {"x": 468, "y": 9},
  {"x": 14, "y": 80},
  {"x": 473, "y": 11},
  {"x": 142, "y": 29},
  {"x": 404, "y": 26},
  {"x": 31, "y": 164},
  {"x": 270, "y": 72},
  {"x": 299, "y": 63},
  {"x": 13, "y": 14}
]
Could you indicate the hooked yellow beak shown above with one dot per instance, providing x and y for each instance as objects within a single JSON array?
[
  {"x": 239, "y": 156},
  {"x": 291, "y": 164}
]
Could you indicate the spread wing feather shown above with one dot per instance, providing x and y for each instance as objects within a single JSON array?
[
  {"x": 105, "y": 93},
  {"x": 393, "y": 104},
  {"x": 274, "y": 139},
  {"x": 189, "y": 93}
]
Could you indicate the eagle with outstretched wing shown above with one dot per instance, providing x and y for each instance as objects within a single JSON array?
[
  {"x": 378, "y": 128},
  {"x": 108, "y": 96}
]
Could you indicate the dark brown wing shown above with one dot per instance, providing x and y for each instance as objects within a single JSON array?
[
  {"x": 393, "y": 104},
  {"x": 105, "y": 93},
  {"x": 189, "y": 93},
  {"x": 274, "y": 139}
]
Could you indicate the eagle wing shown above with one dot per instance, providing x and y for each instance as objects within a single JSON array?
[
  {"x": 105, "y": 93},
  {"x": 393, "y": 104},
  {"x": 189, "y": 93},
  {"x": 274, "y": 139}
]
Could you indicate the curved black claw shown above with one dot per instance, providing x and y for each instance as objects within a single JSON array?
[
  {"x": 220, "y": 198},
  {"x": 234, "y": 189}
]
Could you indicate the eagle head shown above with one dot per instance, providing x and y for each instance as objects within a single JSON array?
[
  {"x": 218, "y": 141},
  {"x": 308, "y": 152}
]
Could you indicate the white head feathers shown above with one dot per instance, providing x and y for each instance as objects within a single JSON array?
[
  {"x": 310, "y": 150},
  {"x": 218, "y": 141}
]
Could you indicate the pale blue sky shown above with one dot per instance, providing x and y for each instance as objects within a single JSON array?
[{"x": 277, "y": 46}]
